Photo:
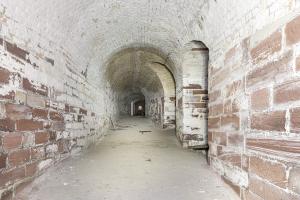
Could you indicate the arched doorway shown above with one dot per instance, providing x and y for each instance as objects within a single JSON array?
[{"x": 192, "y": 96}]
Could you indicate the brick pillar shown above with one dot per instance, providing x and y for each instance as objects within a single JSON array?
[{"x": 194, "y": 96}]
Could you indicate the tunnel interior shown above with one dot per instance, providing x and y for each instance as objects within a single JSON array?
[
  {"x": 140, "y": 76},
  {"x": 217, "y": 75}
]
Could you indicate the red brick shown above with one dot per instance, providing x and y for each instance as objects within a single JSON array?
[
  {"x": 41, "y": 90},
  {"x": 63, "y": 146},
  {"x": 295, "y": 120},
  {"x": 11, "y": 176},
  {"x": 220, "y": 77},
  {"x": 271, "y": 121},
  {"x": 16, "y": 51},
  {"x": 10, "y": 95},
  {"x": 39, "y": 113},
  {"x": 260, "y": 99},
  {"x": 271, "y": 171},
  {"x": 7, "y": 125},
  {"x": 230, "y": 122},
  {"x": 55, "y": 116},
  {"x": 292, "y": 31},
  {"x": 29, "y": 125},
  {"x": 234, "y": 88},
  {"x": 227, "y": 107},
  {"x": 298, "y": 63},
  {"x": 213, "y": 122},
  {"x": 267, "y": 47},
  {"x": 215, "y": 110},
  {"x": 12, "y": 141},
  {"x": 287, "y": 92},
  {"x": 234, "y": 159},
  {"x": 269, "y": 71},
  {"x": 3, "y": 158},
  {"x": 219, "y": 138},
  {"x": 19, "y": 157},
  {"x": 213, "y": 96},
  {"x": 38, "y": 153},
  {"x": 31, "y": 169},
  {"x": 4, "y": 76},
  {"x": 17, "y": 111},
  {"x": 268, "y": 191},
  {"x": 235, "y": 139},
  {"x": 41, "y": 137},
  {"x": 274, "y": 146}
]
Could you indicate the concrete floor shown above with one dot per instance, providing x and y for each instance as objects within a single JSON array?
[{"x": 129, "y": 165}]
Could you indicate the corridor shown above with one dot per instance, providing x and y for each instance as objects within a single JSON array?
[{"x": 130, "y": 164}]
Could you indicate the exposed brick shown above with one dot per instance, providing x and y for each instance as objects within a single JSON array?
[
  {"x": 219, "y": 138},
  {"x": 271, "y": 171},
  {"x": 41, "y": 137},
  {"x": 10, "y": 95},
  {"x": 213, "y": 122},
  {"x": 29, "y": 125},
  {"x": 276, "y": 145},
  {"x": 230, "y": 122},
  {"x": 56, "y": 116},
  {"x": 40, "y": 113},
  {"x": 267, "y": 46},
  {"x": 38, "y": 153},
  {"x": 269, "y": 71},
  {"x": 292, "y": 31},
  {"x": 287, "y": 92},
  {"x": 17, "y": 111},
  {"x": 19, "y": 157},
  {"x": 219, "y": 77},
  {"x": 12, "y": 141},
  {"x": 4, "y": 76},
  {"x": 235, "y": 139},
  {"x": 272, "y": 121},
  {"x": 7, "y": 125},
  {"x": 215, "y": 110},
  {"x": 268, "y": 191},
  {"x": 234, "y": 88},
  {"x": 260, "y": 99},
  {"x": 16, "y": 51},
  {"x": 11, "y": 176},
  {"x": 295, "y": 120},
  {"x": 298, "y": 63},
  {"x": 28, "y": 85},
  {"x": 31, "y": 169},
  {"x": 213, "y": 96},
  {"x": 3, "y": 158},
  {"x": 232, "y": 158},
  {"x": 63, "y": 146},
  {"x": 82, "y": 111}
]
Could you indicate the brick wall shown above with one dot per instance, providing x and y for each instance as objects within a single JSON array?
[
  {"x": 47, "y": 112},
  {"x": 254, "y": 114}
]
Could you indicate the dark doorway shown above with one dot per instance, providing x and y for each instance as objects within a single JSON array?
[{"x": 139, "y": 108}]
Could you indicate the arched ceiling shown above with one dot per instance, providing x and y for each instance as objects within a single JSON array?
[
  {"x": 94, "y": 29},
  {"x": 128, "y": 70}
]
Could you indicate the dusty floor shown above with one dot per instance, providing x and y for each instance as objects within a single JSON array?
[{"x": 129, "y": 165}]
